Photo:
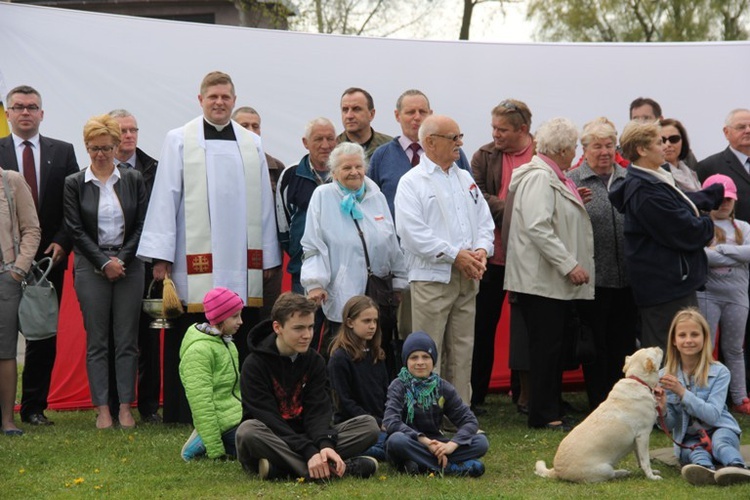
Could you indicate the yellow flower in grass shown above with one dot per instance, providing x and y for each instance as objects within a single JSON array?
[
  {"x": 131, "y": 438},
  {"x": 21, "y": 471},
  {"x": 382, "y": 478},
  {"x": 98, "y": 487},
  {"x": 78, "y": 480},
  {"x": 300, "y": 479},
  {"x": 96, "y": 471}
]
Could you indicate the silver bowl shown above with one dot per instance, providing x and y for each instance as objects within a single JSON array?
[{"x": 155, "y": 309}]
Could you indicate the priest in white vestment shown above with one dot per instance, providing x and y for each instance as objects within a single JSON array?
[{"x": 210, "y": 222}]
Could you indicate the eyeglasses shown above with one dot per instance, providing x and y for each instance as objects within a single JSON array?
[
  {"x": 513, "y": 107},
  {"x": 133, "y": 130},
  {"x": 672, "y": 139},
  {"x": 18, "y": 108},
  {"x": 96, "y": 149},
  {"x": 454, "y": 138}
]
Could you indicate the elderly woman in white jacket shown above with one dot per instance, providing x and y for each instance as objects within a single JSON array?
[
  {"x": 334, "y": 267},
  {"x": 550, "y": 261}
]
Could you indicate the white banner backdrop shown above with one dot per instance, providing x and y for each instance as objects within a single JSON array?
[{"x": 85, "y": 64}]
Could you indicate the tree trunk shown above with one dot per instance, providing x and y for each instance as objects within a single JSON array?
[{"x": 466, "y": 21}]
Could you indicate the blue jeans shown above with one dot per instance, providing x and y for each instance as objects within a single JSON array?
[
  {"x": 726, "y": 450},
  {"x": 377, "y": 450},
  {"x": 400, "y": 448}
]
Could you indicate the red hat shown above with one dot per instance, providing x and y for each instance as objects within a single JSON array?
[{"x": 220, "y": 303}]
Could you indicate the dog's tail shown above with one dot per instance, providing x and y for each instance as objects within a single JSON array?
[{"x": 542, "y": 470}]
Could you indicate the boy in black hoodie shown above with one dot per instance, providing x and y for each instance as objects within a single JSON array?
[{"x": 286, "y": 406}]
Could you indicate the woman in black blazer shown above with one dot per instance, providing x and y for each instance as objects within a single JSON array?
[{"x": 104, "y": 211}]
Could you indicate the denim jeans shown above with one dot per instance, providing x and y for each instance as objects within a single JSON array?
[
  {"x": 726, "y": 450},
  {"x": 400, "y": 448}
]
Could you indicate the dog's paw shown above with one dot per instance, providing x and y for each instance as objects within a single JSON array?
[{"x": 654, "y": 476}]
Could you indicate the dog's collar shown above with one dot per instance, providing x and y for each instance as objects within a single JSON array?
[{"x": 640, "y": 381}]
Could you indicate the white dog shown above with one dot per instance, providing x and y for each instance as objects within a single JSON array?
[{"x": 622, "y": 423}]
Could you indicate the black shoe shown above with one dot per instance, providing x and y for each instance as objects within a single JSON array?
[
  {"x": 154, "y": 418},
  {"x": 37, "y": 419},
  {"x": 563, "y": 427},
  {"x": 410, "y": 467},
  {"x": 362, "y": 467},
  {"x": 478, "y": 411}
]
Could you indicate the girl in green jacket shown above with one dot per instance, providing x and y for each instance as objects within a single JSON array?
[{"x": 209, "y": 370}]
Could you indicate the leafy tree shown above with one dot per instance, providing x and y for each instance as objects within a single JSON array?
[{"x": 640, "y": 20}]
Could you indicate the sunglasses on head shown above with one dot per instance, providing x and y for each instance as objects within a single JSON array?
[{"x": 672, "y": 139}]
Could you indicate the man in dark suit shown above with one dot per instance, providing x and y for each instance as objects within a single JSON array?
[
  {"x": 45, "y": 163},
  {"x": 734, "y": 163},
  {"x": 129, "y": 155}
]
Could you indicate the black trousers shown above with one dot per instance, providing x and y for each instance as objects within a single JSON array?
[
  {"x": 39, "y": 361},
  {"x": 489, "y": 304},
  {"x": 545, "y": 324},
  {"x": 612, "y": 317}
]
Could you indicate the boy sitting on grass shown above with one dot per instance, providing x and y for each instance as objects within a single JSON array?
[
  {"x": 209, "y": 370},
  {"x": 417, "y": 400},
  {"x": 286, "y": 408}
]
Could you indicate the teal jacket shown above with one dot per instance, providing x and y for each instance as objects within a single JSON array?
[{"x": 209, "y": 369}]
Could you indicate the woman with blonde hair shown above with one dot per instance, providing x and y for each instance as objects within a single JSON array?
[
  {"x": 665, "y": 233},
  {"x": 104, "y": 211},
  {"x": 692, "y": 398}
]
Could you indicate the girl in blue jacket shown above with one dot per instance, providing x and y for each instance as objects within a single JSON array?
[{"x": 693, "y": 397}]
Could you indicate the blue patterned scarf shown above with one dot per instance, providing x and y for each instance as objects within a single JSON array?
[
  {"x": 421, "y": 392},
  {"x": 350, "y": 203}
]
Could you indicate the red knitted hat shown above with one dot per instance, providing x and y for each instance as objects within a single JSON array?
[{"x": 220, "y": 303}]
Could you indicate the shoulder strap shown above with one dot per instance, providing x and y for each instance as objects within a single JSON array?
[{"x": 364, "y": 245}]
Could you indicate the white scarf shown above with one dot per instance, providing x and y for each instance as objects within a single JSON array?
[{"x": 199, "y": 255}]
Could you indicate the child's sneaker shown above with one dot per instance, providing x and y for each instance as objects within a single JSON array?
[
  {"x": 732, "y": 475},
  {"x": 743, "y": 407},
  {"x": 698, "y": 475},
  {"x": 193, "y": 447},
  {"x": 362, "y": 467},
  {"x": 471, "y": 468},
  {"x": 265, "y": 469}
]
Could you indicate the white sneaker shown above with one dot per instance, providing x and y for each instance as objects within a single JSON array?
[
  {"x": 697, "y": 475},
  {"x": 732, "y": 475}
]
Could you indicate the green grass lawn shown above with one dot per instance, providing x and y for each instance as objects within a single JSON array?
[{"x": 74, "y": 459}]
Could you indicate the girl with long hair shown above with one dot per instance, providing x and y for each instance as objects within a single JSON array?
[
  {"x": 724, "y": 302},
  {"x": 692, "y": 398},
  {"x": 359, "y": 377}
]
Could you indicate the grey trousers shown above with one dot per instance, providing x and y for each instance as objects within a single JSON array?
[
  {"x": 255, "y": 441},
  {"x": 104, "y": 303}
]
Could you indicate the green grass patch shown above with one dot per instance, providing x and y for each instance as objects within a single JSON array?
[{"x": 74, "y": 459}]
